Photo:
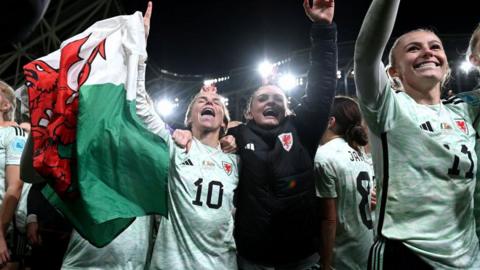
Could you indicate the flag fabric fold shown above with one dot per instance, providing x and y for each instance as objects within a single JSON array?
[{"x": 103, "y": 166}]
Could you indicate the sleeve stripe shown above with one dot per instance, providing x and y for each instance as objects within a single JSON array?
[
  {"x": 385, "y": 180},
  {"x": 454, "y": 100},
  {"x": 19, "y": 131}
]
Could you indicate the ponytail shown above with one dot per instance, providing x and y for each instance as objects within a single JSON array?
[{"x": 348, "y": 121}]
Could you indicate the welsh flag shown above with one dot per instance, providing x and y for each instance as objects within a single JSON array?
[{"x": 103, "y": 166}]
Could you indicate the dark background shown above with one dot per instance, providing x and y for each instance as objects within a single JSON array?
[
  {"x": 191, "y": 41},
  {"x": 201, "y": 37}
]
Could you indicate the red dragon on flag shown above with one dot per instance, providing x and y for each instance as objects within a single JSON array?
[
  {"x": 86, "y": 138},
  {"x": 53, "y": 110}
]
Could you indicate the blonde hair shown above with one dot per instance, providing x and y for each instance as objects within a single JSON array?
[
  {"x": 226, "y": 114},
  {"x": 472, "y": 45},
  {"x": 397, "y": 82},
  {"x": 9, "y": 94}
]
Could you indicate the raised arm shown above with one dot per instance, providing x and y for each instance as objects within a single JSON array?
[
  {"x": 145, "y": 109},
  {"x": 144, "y": 105},
  {"x": 322, "y": 73},
  {"x": 370, "y": 76},
  {"x": 312, "y": 115}
]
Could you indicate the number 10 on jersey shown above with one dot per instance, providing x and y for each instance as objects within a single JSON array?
[{"x": 213, "y": 187}]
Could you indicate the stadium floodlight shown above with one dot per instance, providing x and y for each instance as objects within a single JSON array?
[
  {"x": 166, "y": 107},
  {"x": 225, "y": 101},
  {"x": 287, "y": 82},
  {"x": 216, "y": 80},
  {"x": 265, "y": 69},
  {"x": 209, "y": 82},
  {"x": 466, "y": 66}
]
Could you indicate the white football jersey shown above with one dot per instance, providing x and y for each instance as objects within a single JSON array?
[
  {"x": 128, "y": 251},
  {"x": 471, "y": 103},
  {"x": 12, "y": 142},
  {"x": 343, "y": 173},
  {"x": 198, "y": 233},
  {"x": 425, "y": 166}
]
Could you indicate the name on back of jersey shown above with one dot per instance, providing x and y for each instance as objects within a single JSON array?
[{"x": 355, "y": 156}]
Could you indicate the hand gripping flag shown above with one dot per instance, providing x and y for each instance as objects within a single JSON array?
[{"x": 103, "y": 166}]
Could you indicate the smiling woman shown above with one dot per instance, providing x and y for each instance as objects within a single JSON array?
[
  {"x": 208, "y": 110},
  {"x": 198, "y": 231},
  {"x": 418, "y": 60},
  {"x": 422, "y": 149},
  {"x": 267, "y": 106},
  {"x": 275, "y": 221}
]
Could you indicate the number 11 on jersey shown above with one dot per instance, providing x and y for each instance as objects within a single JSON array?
[{"x": 455, "y": 170}]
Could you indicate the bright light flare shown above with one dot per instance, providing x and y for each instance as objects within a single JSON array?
[
  {"x": 265, "y": 69},
  {"x": 287, "y": 82},
  {"x": 466, "y": 66},
  {"x": 225, "y": 101},
  {"x": 166, "y": 107},
  {"x": 208, "y": 82}
]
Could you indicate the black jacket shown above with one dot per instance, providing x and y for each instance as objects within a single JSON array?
[
  {"x": 275, "y": 218},
  {"x": 47, "y": 216}
]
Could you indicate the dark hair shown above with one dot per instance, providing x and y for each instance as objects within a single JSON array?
[{"x": 348, "y": 122}]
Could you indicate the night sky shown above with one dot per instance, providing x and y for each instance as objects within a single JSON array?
[{"x": 212, "y": 36}]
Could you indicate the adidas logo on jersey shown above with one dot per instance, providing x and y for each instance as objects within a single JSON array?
[
  {"x": 187, "y": 162},
  {"x": 19, "y": 131},
  {"x": 250, "y": 146},
  {"x": 427, "y": 126}
]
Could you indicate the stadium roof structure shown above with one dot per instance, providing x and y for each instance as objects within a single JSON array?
[{"x": 63, "y": 19}]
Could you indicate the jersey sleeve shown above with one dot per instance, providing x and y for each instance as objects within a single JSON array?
[
  {"x": 476, "y": 193},
  {"x": 370, "y": 76},
  {"x": 381, "y": 117},
  {"x": 146, "y": 111},
  {"x": 325, "y": 178},
  {"x": 14, "y": 143}
]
